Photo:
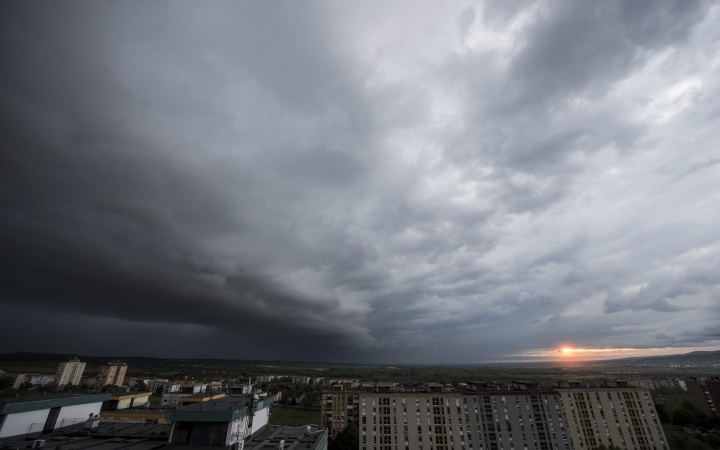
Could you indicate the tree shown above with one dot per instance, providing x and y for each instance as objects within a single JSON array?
[
  {"x": 307, "y": 400},
  {"x": 347, "y": 439},
  {"x": 6, "y": 383},
  {"x": 663, "y": 413},
  {"x": 113, "y": 389}
]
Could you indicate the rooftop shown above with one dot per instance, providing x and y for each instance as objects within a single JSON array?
[
  {"x": 11, "y": 405},
  {"x": 310, "y": 437}
]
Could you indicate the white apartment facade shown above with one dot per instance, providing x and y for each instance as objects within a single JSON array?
[{"x": 70, "y": 372}]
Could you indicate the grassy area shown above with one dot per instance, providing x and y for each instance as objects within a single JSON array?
[{"x": 293, "y": 416}]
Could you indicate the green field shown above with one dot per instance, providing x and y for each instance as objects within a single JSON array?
[{"x": 293, "y": 416}]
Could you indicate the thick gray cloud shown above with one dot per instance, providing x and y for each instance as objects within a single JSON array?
[{"x": 455, "y": 182}]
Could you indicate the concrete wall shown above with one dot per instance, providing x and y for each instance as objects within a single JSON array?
[
  {"x": 261, "y": 419},
  {"x": 19, "y": 423},
  {"x": 124, "y": 403}
]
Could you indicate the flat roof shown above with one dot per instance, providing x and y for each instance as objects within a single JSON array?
[
  {"x": 12, "y": 405},
  {"x": 225, "y": 409},
  {"x": 130, "y": 395},
  {"x": 294, "y": 437}
]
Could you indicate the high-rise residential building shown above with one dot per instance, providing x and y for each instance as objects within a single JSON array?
[
  {"x": 112, "y": 373},
  {"x": 338, "y": 409},
  {"x": 613, "y": 414},
  {"x": 487, "y": 416},
  {"x": 421, "y": 421},
  {"x": 70, "y": 372},
  {"x": 523, "y": 417},
  {"x": 704, "y": 394}
]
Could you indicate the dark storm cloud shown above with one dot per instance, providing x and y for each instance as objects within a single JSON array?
[{"x": 358, "y": 183}]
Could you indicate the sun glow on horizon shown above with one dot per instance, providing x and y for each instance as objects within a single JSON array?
[{"x": 568, "y": 352}]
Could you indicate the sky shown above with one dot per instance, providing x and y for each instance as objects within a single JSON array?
[{"x": 371, "y": 182}]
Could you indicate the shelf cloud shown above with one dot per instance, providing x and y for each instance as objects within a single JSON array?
[{"x": 433, "y": 182}]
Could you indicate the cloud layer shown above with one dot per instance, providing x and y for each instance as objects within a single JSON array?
[{"x": 399, "y": 182}]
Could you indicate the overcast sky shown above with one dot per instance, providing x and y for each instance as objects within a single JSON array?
[{"x": 408, "y": 182}]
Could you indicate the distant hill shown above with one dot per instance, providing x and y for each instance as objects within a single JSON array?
[{"x": 707, "y": 359}]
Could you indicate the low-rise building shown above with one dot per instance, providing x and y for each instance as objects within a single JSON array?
[
  {"x": 126, "y": 400},
  {"x": 225, "y": 423},
  {"x": 41, "y": 380},
  {"x": 295, "y": 397},
  {"x": 45, "y": 413},
  {"x": 186, "y": 390}
]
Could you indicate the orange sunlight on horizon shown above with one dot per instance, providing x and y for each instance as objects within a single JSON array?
[{"x": 569, "y": 352}]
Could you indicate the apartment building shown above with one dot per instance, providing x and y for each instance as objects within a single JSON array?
[
  {"x": 613, "y": 414},
  {"x": 338, "y": 409},
  {"x": 704, "y": 394},
  {"x": 523, "y": 417},
  {"x": 112, "y": 373},
  {"x": 70, "y": 372},
  {"x": 430, "y": 420}
]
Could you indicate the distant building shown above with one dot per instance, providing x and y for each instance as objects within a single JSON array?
[
  {"x": 301, "y": 380},
  {"x": 265, "y": 378},
  {"x": 112, "y": 373},
  {"x": 154, "y": 384},
  {"x": 276, "y": 437},
  {"x": 704, "y": 394},
  {"x": 19, "y": 380},
  {"x": 275, "y": 394},
  {"x": 126, "y": 400},
  {"x": 295, "y": 396},
  {"x": 663, "y": 382},
  {"x": 45, "y": 413},
  {"x": 70, "y": 372},
  {"x": 41, "y": 380},
  {"x": 187, "y": 390}
]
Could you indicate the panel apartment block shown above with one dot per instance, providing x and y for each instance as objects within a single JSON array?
[
  {"x": 515, "y": 420},
  {"x": 338, "y": 409},
  {"x": 622, "y": 416},
  {"x": 422, "y": 421}
]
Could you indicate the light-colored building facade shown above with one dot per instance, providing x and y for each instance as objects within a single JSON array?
[
  {"x": 112, "y": 373},
  {"x": 41, "y": 380},
  {"x": 525, "y": 418},
  {"x": 70, "y": 372},
  {"x": 338, "y": 409},
  {"x": 45, "y": 413},
  {"x": 423, "y": 421},
  {"x": 521, "y": 416},
  {"x": 616, "y": 414}
]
